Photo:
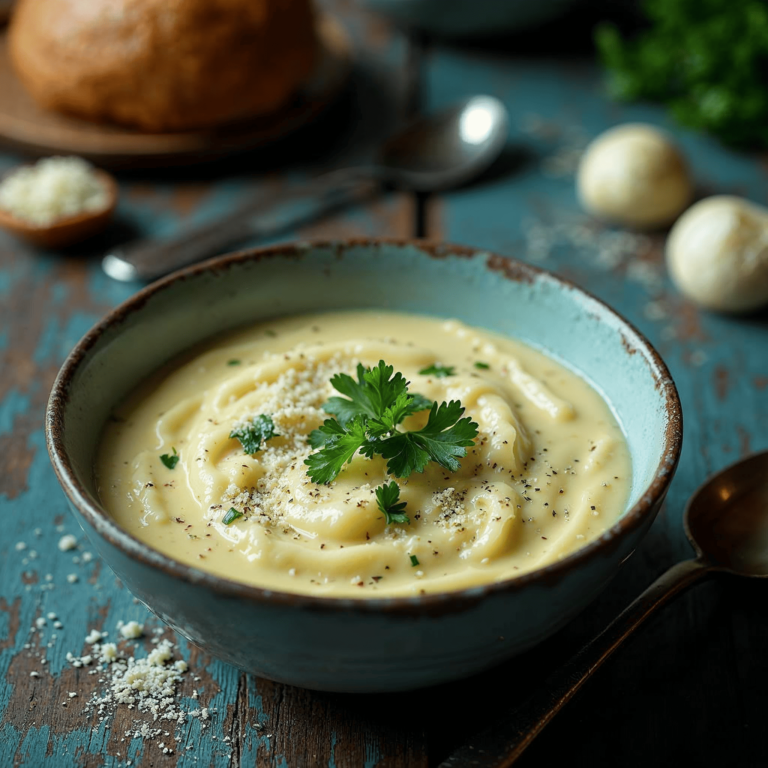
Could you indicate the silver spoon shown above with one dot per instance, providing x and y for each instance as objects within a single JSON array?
[
  {"x": 433, "y": 153},
  {"x": 726, "y": 521}
]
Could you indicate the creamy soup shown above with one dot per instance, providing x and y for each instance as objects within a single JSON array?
[{"x": 548, "y": 471}]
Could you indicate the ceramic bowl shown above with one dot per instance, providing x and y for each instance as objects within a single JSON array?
[{"x": 340, "y": 644}]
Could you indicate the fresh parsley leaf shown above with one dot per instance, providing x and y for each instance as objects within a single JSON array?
[
  {"x": 375, "y": 390},
  {"x": 170, "y": 459},
  {"x": 482, "y": 366},
  {"x": 338, "y": 446},
  {"x": 233, "y": 362},
  {"x": 388, "y": 499},
  {"x": 231, "y": 516},
  {"x": 419, "y": 403},
  {"x": 444, "y": 439},
  {"x": 438, "y": 371},
  {"x": 367, "y": 421},
  {"x": 391, "y": 416},
  {"x": 414, "y": 561},
  {"x": 252, "y": 435}
]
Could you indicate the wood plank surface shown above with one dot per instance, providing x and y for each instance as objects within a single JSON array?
[{"x": 688, "y": 690}]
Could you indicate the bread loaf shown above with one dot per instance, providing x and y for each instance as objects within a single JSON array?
[{"x": 163, "y": 65}]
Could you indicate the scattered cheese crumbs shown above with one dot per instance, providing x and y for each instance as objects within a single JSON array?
[
  {"x": 87, "y": 557},
  {"x": 51, "y": 615},
  {"x": 147, "y": 686},
  {"x": 40, "y": 622},
  {"x": 132, "y": 630},
  {"x": 38, "y": 531},
  {"x": 20, "y": 545},
  {"x": 58, "y": 625},
  {"x": 34, "y": 674},
  {"x": 67, "y": 542},
  {"x": 53, "y": 188},
  {"x": 72, "y": 695},
  {"x": 108, "y": 652},
  {"x": 72, "y": 578}
]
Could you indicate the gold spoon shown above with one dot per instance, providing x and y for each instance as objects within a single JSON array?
[{"x": 726, "y": 521}]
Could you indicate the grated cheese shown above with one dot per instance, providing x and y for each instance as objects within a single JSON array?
[
  {"x": 131, "y": 630},
  {"x": 67, "y": 542},
  {"x": 53, "y": 188}
]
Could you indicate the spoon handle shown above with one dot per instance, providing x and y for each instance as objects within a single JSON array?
[
  {"x": 150, "y": 259},
  {"x": 501, "y": 743}
]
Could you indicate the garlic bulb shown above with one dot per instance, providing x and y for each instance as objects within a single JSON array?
[
  {"x": 717, "y": 254},
  {"x": 634, "y": 175}
]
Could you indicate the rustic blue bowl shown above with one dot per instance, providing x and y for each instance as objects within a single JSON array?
[{"x": 343, "y": 644}]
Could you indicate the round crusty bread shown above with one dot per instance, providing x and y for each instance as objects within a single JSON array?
[{"x": 163, "y": 65}]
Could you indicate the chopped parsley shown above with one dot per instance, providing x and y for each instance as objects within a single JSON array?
[
  {"x": 233, "y": 362},
  {"x": 231, "y": 516},
  {"x": 260, "y": 429},
  {"x": 414, "y": 561},
  {"x": 482, "y": 366},
  {"x": 367, "y": 421},
  {"x": 438, "y": 371},
  {"x": 388, "y": 499},
  {"x": 170, "y": 459}
]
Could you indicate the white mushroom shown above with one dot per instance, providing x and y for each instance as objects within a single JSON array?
[
  {"x": 634, "y": 175},
  {"x": 717, "y": 254}
]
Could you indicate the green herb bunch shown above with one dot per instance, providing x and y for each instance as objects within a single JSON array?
[
  {"x": 706, "y": 59},
  {"x": 367, "y": 421}
]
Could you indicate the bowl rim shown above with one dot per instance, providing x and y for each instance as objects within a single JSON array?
[{"x": 513, "y": 269}]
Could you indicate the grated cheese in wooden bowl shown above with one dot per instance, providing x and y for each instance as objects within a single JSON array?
[{"x": 54, "y": 188}]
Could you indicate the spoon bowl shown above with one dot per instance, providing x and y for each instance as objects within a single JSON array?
[
  {"x": 447, "y": 149},
  {"x": 726, "y": 520}
]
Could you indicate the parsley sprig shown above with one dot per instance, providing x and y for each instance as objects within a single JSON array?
[
  {"x": 251, "y": 435},
  {"x": 388, "y": 499},
  {"x": 367, "y": 421},
  {"x": 706, "y": 60},
  {"x": 438, "y": 371},
  {"x": 170, "y": 459}
]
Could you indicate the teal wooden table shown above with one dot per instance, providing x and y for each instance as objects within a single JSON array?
[{"x": 688, "y": 691}]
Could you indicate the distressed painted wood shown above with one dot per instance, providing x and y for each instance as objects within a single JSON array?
[
  {"x": 689, "y": 690},
  {"x": 47, "y": 301}
]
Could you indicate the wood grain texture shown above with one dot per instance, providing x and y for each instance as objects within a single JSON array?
[
  {"x": 47, "y": 301},
  {"x": 689, "y": 690}
]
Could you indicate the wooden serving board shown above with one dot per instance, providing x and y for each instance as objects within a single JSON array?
[{"x": 27, "y": 127}]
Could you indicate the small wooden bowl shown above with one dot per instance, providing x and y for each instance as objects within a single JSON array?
[{"x": 67, "y": 230}]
